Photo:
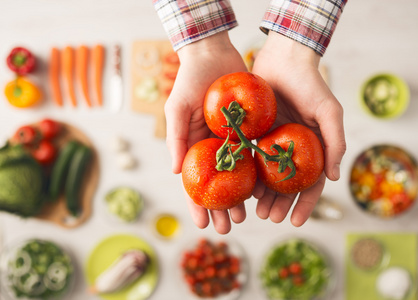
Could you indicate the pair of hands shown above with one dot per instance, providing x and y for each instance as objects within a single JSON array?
[{"x": 303, "y": 97}]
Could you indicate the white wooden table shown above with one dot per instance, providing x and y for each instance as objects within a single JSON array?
[{"x": 373, "y": 36}]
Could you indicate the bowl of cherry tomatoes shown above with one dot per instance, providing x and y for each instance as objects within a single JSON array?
[
  {"x": 384, "y": 181},
  {"x": 213, "y": 269}
]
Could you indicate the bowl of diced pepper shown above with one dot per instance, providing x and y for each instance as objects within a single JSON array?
[
  {"x": 213, "y": 269},
  {"x": 384, "y": 181}
]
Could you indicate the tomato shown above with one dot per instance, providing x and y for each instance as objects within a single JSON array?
[
  {"x": 283, "y": 273},
  {"x": 45, "y": 152},
  {"x": 215, "y": 189},
  {"x": 26, "y": 135},
  {"x": 308, "y": 158},
  {"x": 295, "y": 268},
  {"x": 252, "y": 93},
  {"x": 49, "y": 128}
]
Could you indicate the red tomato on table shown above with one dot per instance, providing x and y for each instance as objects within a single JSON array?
[
  {"x": 49, "y": 128},
  {"x": 252, "y": 93},
  {"x": 215, "y": 189},
  {"x": 45, "y": 152},
  {"x": 308, "y": 158}
]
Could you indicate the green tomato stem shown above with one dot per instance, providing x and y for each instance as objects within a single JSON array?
[{"x": 226, "y": 159}]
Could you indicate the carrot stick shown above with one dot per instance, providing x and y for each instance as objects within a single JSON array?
[
  {"x": 82, "y": 71},
  {"x": 98, "y": 58},
  {"x": 68, "y": 69},
  {"x": 54, "y": 73}
]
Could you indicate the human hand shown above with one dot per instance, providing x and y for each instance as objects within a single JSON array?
[
  {"x": 201, "y": 63},
  {"x": 303, "y": 97}
]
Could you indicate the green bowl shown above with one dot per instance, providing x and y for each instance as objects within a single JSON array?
[{"x": 385, "y": 96}]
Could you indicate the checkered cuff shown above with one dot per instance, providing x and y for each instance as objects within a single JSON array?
[
  {"x": 187, "y": 21},
  {"x": 310, "y": 22}
]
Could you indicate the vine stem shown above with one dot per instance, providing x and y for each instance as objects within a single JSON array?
[{"x": 226, "y": 159}]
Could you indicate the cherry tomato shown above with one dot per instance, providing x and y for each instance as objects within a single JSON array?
[
  {"x": 283, "y": 273},
  {"x": 49, "y": 128},
  {"x": 295, "y": 268},
  {"x": 26, "y": 135},
  {"x": 252, "y": 93},
  {"x": 215, "y": 189},
  {"x": 298, "y": 280},
  {"x": 45, "y": 152},
  {"x": 308, "y": 158}
]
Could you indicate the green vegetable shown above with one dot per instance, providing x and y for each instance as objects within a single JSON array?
[
  {"x": 381, "y": 96},
  {"x": 22, "y": 182},
  {"x": 78, "y": 167},
  {"x": 316, "y": 272},
  {"x": 60, "y": 169},
  {"x": 125, "y": 203},
  {"x": 39, "y": 270}
]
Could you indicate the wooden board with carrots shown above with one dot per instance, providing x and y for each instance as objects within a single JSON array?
[{"x": 154, "y": 66}]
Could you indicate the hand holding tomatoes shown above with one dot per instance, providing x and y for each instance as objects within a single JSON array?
[
  {"x": 202, "y": 62},
  {"x": 304, "y": 97}
]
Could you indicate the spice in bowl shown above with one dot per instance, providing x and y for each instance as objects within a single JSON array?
[{"x": 367, "y": 254}]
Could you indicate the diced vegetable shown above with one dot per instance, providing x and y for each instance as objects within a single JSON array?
[
  {"x": 125, "y": 203},
  {"x": 308, "y": 273},
  {"x": 39, "y": 270}
]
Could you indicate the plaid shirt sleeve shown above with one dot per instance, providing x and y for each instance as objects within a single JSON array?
[
  {"x": 187, "y": 21},
  {"x": 310, "y": 22}
]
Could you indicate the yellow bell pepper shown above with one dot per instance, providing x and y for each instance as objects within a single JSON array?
[{"x": 22, "y": 93}]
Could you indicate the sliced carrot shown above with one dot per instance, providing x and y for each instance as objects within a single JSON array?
[
  {"x": 54, "y": 74},
  {"x": 82, "y": 60},
  {"x": 98, "y": 59},
  {"x": 68, "y": 70}
]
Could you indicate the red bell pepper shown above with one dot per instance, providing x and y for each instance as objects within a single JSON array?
[{"x": 21, "y": 61}]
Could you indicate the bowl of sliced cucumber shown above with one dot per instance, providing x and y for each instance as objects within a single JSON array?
[
  {"x": 385, "y": 96},
  {"x": 36, "y": 269}
]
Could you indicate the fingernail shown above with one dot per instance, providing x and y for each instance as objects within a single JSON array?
[{"x": 336, "y": 171}]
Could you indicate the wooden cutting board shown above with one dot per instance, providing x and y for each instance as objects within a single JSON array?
[
  {"x": 153, "y": 62},
  {"x": 56, "y": 212}
]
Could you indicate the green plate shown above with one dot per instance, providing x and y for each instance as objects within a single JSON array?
[{"x": 107, "y": 251}]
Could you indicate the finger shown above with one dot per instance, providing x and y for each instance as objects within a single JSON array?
[
  {"x": 238, "y": 213},
  {"x": 259, "y": 189},
  {"x": 199, "y": 214},
  {"x": 177, "y": 132},
  {"x": 306, "y": 202},
  {"x": 221, "y": 221},
  {"x": 331, "y": 125},
  {"x": 265, "y": 203},
  {"x": 281, "y": 206}
]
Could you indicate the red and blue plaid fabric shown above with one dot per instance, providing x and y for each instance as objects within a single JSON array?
[
  {"x": 310, "y": 22},
  {"x": 187, "y": 21}
]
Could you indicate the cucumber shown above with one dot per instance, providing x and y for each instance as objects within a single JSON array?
[
  {"x": 60, "y": 169},
  {"x": 76, "y": 172}
]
